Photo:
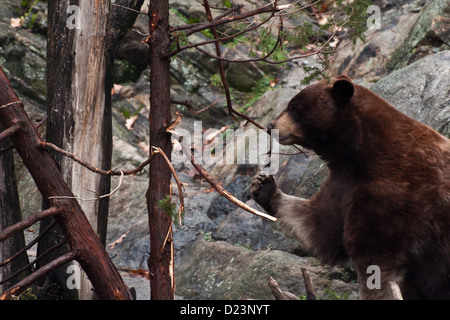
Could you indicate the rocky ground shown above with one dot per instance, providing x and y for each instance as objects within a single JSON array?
[{"x": 223, "y": 252}]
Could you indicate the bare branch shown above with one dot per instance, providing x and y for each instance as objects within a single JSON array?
[
  {"x": 278, "y": 293},
  {"x": 35, "y": 217},
  {"x": 221, "y": 190},
  {"x": 309, "y": 287},
  {"x": 216, "y": 39},
  {"x": 94, "y": 169},
  {"x": 36, "y": 275},
  {"x": 191, "y": 108},
  {"x": 29, "y": 245},
  {"x": 92, "y": 199},
  {"x": 127, "y": 8},
  {"x": 197, "y": 27},
  {"x": 9, "y": 131},
  {"x": 46, "y": 252}
]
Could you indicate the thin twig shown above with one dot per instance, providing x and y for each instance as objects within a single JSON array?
[
  {"x": 92, "y": 199},
  {"x": 221, "y": 190},
  {"x": 191, "y": 108},
  {"x": 94, "y": 169},
  {"x": 127, "y": 8},
  {"x": 175, "y": 176},
  {"x": 46, "y": 252},
  {"x": 197, "y": 27}
]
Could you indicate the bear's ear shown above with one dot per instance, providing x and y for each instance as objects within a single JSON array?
[{"x": 343, "y": 88}]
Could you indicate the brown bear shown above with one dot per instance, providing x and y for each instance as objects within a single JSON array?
[{"x": 386, "y": 202}]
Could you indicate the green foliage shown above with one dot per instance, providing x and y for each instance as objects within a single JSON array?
[
  {"x": 27, "y": 294},
  {"x": 334, "y": 295},
  {"x": 207, "y": 236},
  {"x": 261, "y": 87},
  {"x": 216, "y": 80},
  {"x": 170, "y": 208},
  {"x": 127, "y": 113},
  {"x": 355, "y": 17},
  {"x": 268, "y": 42},
  {"x": 226, "y": 3},
  {"x": 350, "y": 15}
]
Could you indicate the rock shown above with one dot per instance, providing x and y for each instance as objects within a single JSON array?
[
  {"x": 369, "y": 60},
  {"x": 421, "y": 91},
  {"x": 131, "y": 47},
  {"x": 408, "y": 32},
  {"x": 431, "y": 33},
  {"x": 219, "y": 270}
]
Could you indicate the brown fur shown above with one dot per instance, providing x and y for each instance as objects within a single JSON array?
[{"x": 386, "y": 201}]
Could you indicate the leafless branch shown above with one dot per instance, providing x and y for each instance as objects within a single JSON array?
[
  {"x": 29, "y": 221},
  {"x": 221, "y": 190},
  {"x": 9, "y": 131},
  {"x": 197, "y": 27},
  {"x": 309, "y": 287},
  {"x": 278, "y": 293},
  {"x": 191, "y": 108},
  {"x": 19, "y": 271},
  {"x": 94, "y": 169},
  {"x": 217, "y": 39},
  {"x": 29, "y": 245},
  {"x": 22, "y": 285},
  {"x": 127, "y": 8}
]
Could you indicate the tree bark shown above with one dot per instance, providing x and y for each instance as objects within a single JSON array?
[
  {"x": 80, "y": 62},
  {"x": 160, "y": 262},
  {"x": 78, "y": 119},
  {"x": 84, "y": 243},
  {"x": 10, "y": 214}
]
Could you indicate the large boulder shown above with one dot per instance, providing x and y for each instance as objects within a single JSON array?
[
  {"x": 421, "y": 90},
  {"x": 219, "y": 270}
]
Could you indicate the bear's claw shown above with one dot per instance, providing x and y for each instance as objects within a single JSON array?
[{"x": 262, "y": 190}]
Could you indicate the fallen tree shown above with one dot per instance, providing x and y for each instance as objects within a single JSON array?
[{"x": 84, "y": 243}]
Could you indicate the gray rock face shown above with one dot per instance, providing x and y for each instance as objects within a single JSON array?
[{"x": 421, "y": 90}]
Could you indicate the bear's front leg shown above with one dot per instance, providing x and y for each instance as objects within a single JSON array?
[
  {"x": 265, "y": 192},
  {"x": 291, "y": 211}
]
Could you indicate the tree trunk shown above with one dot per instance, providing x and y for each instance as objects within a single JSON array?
[
  {"x": 85, "y": 245},
  {"x": 160, "y": 262},
  {"x": 78, "y": 120},
  {"x": 10, "y": 214}
]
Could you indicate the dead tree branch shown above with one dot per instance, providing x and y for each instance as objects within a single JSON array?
[
  {"x": 190, "y": 107},
  {"x": 278, "y": 293},
  {"x": 94, "y": 169},
  {"x": 29, "y": 221},
  {"x": 309, "y": 287},
  {"x": 11, "y": 130},
  {"x": 221, "y": 190},
  {"x": 22, "y": 285},
  {"x": 86, "y": 247},
  {"x": 197, "y": 27}
]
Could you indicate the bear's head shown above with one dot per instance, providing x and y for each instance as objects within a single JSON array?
[{"x": 320, "y": 117}]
